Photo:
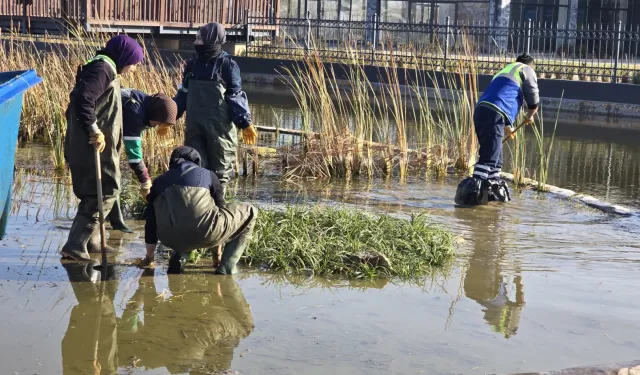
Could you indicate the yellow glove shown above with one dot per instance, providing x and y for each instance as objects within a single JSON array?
[
  {"x": 97, "y": 139},
  {"x": 249, "y": 135},
  {"x": 145, "y": 189},
  {"x": 510, "y": 132},
  {"x": 144, "y": 192}
]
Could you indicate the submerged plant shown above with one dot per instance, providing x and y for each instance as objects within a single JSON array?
[{"x": 351, "y": 243}]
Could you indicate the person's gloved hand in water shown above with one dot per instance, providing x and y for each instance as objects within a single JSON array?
[
  {"x": 249, "y": 135},
  {"x": 97, "y": 139},
  {"x": 145, "y": 189}
]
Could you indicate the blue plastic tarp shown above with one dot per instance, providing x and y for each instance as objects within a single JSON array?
[{"x": 12, "y": 87}]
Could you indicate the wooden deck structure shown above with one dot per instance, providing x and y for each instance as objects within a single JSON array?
[{"x": 168, "y": 17}]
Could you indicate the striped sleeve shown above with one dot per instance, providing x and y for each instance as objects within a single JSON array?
[{"x": 133, "y": 149}]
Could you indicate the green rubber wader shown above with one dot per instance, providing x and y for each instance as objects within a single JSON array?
[
  {"x": 237, "y": 219},
  {"x": 209, "y": 127},
  {"x": 231, "y": 226},
  {"x": 80, "y": 155}
]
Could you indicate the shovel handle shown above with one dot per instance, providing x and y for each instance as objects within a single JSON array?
[
  {"x": 103, "y": 239},
  {"x": 506, "y": 138}
]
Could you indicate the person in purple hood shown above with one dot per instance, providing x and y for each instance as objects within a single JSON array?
[{"x": 94, "y": 120}]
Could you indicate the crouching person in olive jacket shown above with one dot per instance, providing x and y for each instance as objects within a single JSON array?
[{"x": 186, "y": 211}]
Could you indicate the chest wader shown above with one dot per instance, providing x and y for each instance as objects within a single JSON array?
[
  {"x": 231, "y": 227},
  {"x": 79, "y": 154},
  {"x": 209, "y": 127}
]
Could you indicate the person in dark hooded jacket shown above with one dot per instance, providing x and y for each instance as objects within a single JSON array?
[
  {"x": 212, "y": 97},
  {"x": 94, "y": 119},
  {"x": 186, "y": 211},
  {"x": 139, "y": 113}
]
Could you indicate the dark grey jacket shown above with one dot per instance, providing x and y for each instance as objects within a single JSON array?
[{"x": 183, "y": 203}]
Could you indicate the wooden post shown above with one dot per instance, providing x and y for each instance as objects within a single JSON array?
[
  {"x": 161, "y": 15},
  {"x": 223, "y": 12}
]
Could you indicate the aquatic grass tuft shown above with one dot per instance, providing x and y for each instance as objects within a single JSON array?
[
  {"x": 518, "y": 157},
  {"x": 544, "y": 153},
  {"x": 338, "y": 241}
]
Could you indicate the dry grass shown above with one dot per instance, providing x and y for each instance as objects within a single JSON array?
[
  {"x": 44, "y": 105},
  {"x": 355, "y": 127},
  {"x": 346, "y": 115}
]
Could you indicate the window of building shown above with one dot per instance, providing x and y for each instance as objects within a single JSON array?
[
  {"x": 606, "y": 12},
  {"x": 552, "y": 13},
  {"x": 459, "y": 12}
]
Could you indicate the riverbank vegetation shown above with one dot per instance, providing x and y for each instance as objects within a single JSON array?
[
  {"x": 43, "y": 114},
  {"x": 349, "y": 126}
]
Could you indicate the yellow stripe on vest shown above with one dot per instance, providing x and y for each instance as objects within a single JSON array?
[
  {"x": 511, "y": 71},
  {"x": 106, "y": 59}
]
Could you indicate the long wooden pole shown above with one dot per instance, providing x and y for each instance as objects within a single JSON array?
[{"x": 103, "y": 240}]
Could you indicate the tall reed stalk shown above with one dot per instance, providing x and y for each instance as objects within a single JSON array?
[
  {"x": 544, "y": 151},
  {"x": 518, "y": 157}
]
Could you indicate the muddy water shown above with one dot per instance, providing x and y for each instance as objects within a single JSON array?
[{"x": 539, "y": 284}]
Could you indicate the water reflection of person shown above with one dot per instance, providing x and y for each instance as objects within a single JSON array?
[
  {"x": 92, "y": 320},
  {"x": 194, "y": 331},
  {"x": 485, "y": 282}
]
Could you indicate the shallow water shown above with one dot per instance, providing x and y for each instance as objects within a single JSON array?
[
  {"x": 540, "y": 284},
  {"x": 591, "y": 154}
]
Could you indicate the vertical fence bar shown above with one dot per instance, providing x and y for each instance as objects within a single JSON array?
[
  {"x": 308, "y": 36},
  {"x": 247, "y": 32},
  {"x": 447, "y": 30},
  {"x": 374, "y": 38},
  {"x": 529, "y": 29},
  {"x": 617, "y": 52}
]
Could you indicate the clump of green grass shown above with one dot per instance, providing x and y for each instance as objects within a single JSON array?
[{"x": 336, "y": 241}]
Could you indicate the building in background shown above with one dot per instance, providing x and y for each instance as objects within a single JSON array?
[{"x": 560, "y": 14}]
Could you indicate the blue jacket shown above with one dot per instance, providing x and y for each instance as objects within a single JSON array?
[
  {"x": 180, "y": 197},
  {"x": 134, "y": 122},
  {"x": 230, "y": 74},
  {"x": 509, "y": 89}
]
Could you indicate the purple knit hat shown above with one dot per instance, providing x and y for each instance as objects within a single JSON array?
[{"x": 124, "y": 51}]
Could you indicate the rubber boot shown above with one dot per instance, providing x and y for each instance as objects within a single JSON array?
[
  {"x": 116, "y": 219},
  {"x": 94, "y": 246},
  {"x": 177, "y": 261},
  {"x": 499, "y": 192},
  {"x": 234, "y": 249},
  {"x": 76, "y": 246}
]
